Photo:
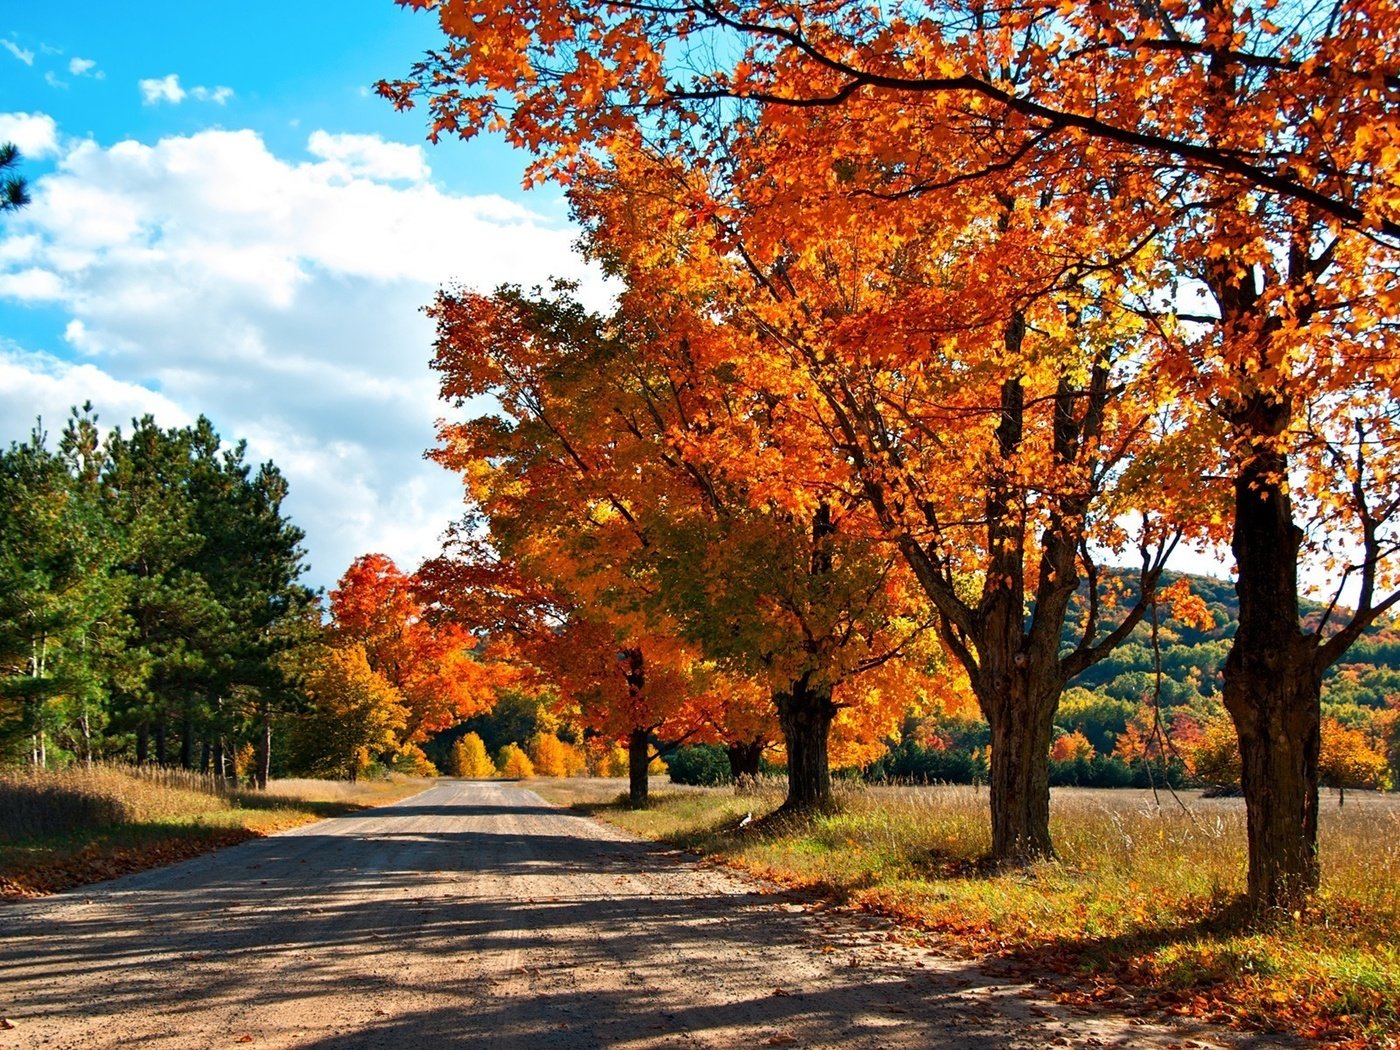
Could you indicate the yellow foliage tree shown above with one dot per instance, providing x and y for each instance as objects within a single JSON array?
[
  {"x": 613, "y": 762},
  {"x": 552, "y": 757},
  {"x": 514, "y": 763},
  {"x": 1350, "y": 760},
  {"x": 1215, "y": 758},
  {"x": 356, "y": 714},
  {"x": 469, "y": 759}
]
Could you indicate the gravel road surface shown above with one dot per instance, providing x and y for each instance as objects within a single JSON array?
[{"x": 477, "y": 915}]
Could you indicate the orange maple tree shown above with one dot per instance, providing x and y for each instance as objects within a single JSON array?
[
  {"x": 597, "y": 486},
  {"x": 433, "y": 666},
  {"x": 1254, "y": 148}
]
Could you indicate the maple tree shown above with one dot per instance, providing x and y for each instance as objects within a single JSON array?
[
  {"x": 432, "y": 664},
  {"x": 1257, "y": 146},
  {"x": 985, "y": 438},
  {"x": 618, "y": 678},
  {"x": 357, "y": 715},
  {"x": 595, "y": 488},
  {"x": 1070, "y": 746},
  {"x": 1350, "y": 758}
]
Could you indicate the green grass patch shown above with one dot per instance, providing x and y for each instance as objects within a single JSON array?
[{"x": 1143, "y": 898}]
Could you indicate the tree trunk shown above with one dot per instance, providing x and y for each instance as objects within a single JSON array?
[
  {"x": 638, "y": 758},
  {"x": 264, "y": 758},
  {"x": 143, "y": 744},
  {"x": 744, "y": 758},
  {"x": 160, "y": 742},
  {"x": 1272, "y": 687},
  {"x": 187, "y": 742},
  {"x": 1019, "y": 781},
  {"x": 220, "y": 763},
  {"x": 805, "y": 713}
]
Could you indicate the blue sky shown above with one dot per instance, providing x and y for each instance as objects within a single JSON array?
[{"x": 227, "y": 221}]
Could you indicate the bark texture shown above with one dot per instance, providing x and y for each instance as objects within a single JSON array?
[
  {"x": 1273, "y": 685},
  {"x": 805, "y": 713},
  {"x": 638, "y": 754}
]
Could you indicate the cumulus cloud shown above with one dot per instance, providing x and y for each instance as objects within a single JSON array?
[
  {"x": 85, "y": 67},
  {"x": 282, "y": 298},
  {"x": 156, "y": 90},
  {"x": 35, "y": 134},
  {"x": 41, "y": 387},
  {"x": 370, "y": 156},
  {"x": 161, "y": 89},
  {"x": 218, "y": 95},
  {"x": 27, "y": 57}
]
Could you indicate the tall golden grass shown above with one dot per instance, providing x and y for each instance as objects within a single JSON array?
[
  {"x": 54, "y": 804},
  {"x": 1142, "y": 891}
]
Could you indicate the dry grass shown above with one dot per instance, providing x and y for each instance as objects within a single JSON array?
[
  {"x": 75, "y": 826},
  {"x": 1141, "y": 897}
]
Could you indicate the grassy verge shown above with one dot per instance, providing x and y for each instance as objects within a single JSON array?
[
  {"x": 1139, "y": 908},
  {"x": 78, "y": 826}
]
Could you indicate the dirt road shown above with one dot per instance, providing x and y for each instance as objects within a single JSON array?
[{"x": 475, "y": 914}]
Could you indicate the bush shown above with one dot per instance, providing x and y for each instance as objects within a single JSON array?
[
  {"x": 706, "y": 765},
  {"x": 468, "y": 759},
  {"x": 913, "y": 763},
  {"x": 551, "y": 757},
  {"x": 514, "y": 763}
]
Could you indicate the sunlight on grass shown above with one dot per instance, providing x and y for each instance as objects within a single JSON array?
[
  {"x": 74, "y": 826},
  {"x": 1140, "y": 892}
]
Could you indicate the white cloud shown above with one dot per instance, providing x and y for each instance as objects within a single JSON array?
[
  {"x": 280, "y": 298},
  {"x": 162, "y": 89},
  {"x": 33, "y": 285},
  {"x": 51, "y": 79},
  {"x": 370, "y": 156},
  {"x": 35, "y": 134},
  {"x": 167, "y": 89},
  {"x": 218, "y": 95},
  {"x": 40, "y": 386},
  {"x": 85, "y": 67},
  {"x": 27, "y": 57}
]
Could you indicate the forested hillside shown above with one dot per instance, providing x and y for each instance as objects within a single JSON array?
[
  {"x": 1153, "y": 707},
  {"x": 1192, "y": 656}
]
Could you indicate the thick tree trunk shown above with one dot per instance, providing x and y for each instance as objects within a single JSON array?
[
  {"x": 638, "y": 758},
  {"x": 805, "y": 713},
  {"x": 1020, "y": 777},
  {"x": 143, "y": 744},
  {"x": 1273, "y": 688},
  {"x": 220, "y": 763},
  {"x": 744, "y": 758}
]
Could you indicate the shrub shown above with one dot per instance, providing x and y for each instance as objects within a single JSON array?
[
  {"x": 928, "y": 765},
  {"x": 514, "y": 763},
  {"x": 703, "y": 764},
  {"x": 468, "y": 759},
  {"x": 551, "y": 757}
]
